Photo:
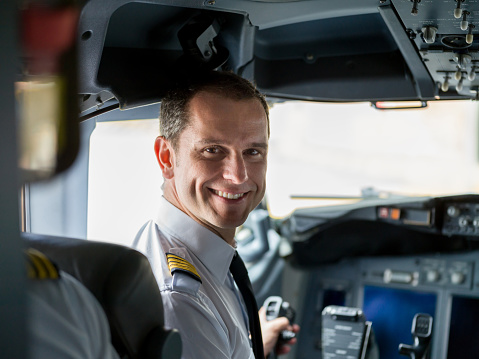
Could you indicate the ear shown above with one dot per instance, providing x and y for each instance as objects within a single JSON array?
[{"x": 164, "y": 154}]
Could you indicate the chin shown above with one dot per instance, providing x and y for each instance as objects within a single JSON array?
[{"x": 231, "y": 223}]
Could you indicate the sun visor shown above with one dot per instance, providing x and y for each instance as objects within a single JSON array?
[{"x": 46, "y": 91}]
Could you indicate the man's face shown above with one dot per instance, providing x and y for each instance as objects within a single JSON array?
[{"x": 219, "y": 166}]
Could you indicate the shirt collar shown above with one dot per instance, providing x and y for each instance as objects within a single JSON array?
[{"x": 211, "y": 249}]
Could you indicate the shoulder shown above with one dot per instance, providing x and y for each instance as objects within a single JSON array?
[
  {"x": 185, "y": 276},
  {"x": 39, "y": 266},
  {"x": 171, "y": 262}
]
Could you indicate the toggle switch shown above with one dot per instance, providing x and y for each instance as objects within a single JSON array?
[
  {"x": 458, "y": 74},
  {"x": 464, "y": 22},
  {"x": 470, "y": 36},
  {"x": 414, "y": 10},
  {"x": 445, "y": 84},
  {"x": 471, "y": 76},
  {"x": 429, "y": 34},
  {"x": 460, "y": 85},
  {"x": 461, "y": 60},
  {"x": 457, "y": 10}
]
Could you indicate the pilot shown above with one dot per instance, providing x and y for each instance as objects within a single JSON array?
[
  {"x": 65, "y": 320},
  {"x": 213, "y": 155}
]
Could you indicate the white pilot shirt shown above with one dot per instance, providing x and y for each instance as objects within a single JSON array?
[
  {"x": 210, "y": 315},
  {"x": 65, "y": 321}
]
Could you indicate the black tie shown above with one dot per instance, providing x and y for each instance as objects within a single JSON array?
[{"x": 240, "y": 275}]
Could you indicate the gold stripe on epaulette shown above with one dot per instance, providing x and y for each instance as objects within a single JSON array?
[
  {"x": 176, "y": 263},
  {"x": 39, "y": 266}
]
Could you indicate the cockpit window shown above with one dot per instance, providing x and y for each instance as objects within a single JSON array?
[{"x": 344, "y": 151}]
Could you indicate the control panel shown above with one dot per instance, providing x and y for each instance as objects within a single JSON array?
[
  {"x": 390, "y": 292},
  {"x": 450, "y": 273},
  {"x": 461, "y": 219},
  {"x": 446, "y": 35}
]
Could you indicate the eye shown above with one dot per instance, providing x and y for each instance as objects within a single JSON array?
[
  {"x": 252, "y": 152},
  {"x": 212, "y": 150}
]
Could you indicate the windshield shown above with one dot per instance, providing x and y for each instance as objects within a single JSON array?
[
  {"x": 315, "y": 150},
  {"x": 349, "y": 150}
]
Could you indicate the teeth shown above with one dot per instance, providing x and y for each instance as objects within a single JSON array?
[{"x": 228, "y": 195}]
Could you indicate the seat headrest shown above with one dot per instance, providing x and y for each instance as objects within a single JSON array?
[{"x": 122, "y": 281}]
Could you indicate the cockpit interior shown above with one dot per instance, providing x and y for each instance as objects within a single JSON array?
[{"x": 375, "y": 278}]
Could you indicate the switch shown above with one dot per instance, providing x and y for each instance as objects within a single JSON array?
[
  {"x": 414, "y": 10},
  {"x": 472, "y": 73},
  {"x": 458, "y": 74},
  {"x": 470, "y": 36},
  {"x": 464, "y": 22},
  {"x": 429, "y": 34},
  {"x": 445, "y": 84},
  {"x": 457, "y": 10},
  {"x": 460, "y": 85},
  {"x": 461, "y": 60}
]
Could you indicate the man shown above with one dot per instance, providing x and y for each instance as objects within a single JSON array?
[
  {"x": 64, "y": 318},
  {"x": 213, "y": 155}
]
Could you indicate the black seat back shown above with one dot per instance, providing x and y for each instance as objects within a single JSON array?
[{"x": 122, "y": 281}]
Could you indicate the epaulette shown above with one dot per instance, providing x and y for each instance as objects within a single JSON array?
[
  {"x": 39, "y": 266},
  {"x": 176, "y": 263}
]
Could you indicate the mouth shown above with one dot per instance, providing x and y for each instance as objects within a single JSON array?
[{"x": 229, "y": 195}]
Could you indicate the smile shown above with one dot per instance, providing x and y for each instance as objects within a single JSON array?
[{"x": 228, "y": 195}]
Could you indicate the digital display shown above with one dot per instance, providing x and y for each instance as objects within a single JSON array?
[
  {"x": 464, "y": 328},
  {"x": 333, "y": 297},
  {"x": 391, "y": 311}
]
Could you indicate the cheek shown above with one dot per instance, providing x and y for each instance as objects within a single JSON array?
[{"x": 257, "y": 173}]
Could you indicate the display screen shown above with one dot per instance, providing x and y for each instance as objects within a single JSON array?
[
  {"x": 333, "y": 297},
  {"x": 391, "y": 311},
  {"x": 464, "y": 328}
]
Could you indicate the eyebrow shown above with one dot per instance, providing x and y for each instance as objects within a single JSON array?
[{"x": 212, "y": 141}]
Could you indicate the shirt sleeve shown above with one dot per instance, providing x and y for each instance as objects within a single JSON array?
[{"x": 203, "y": 334}]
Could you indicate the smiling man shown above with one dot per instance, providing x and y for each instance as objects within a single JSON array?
[{"x": 213, "y": 155}]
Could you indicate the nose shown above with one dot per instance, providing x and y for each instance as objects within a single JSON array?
[{"x": 235, "y": 169}]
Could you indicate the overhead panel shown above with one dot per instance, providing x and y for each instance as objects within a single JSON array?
[{"x": 446, "y": 35}]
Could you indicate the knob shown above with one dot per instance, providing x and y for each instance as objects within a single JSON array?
[
  {"x": 445, "y": 84},
  {"x": 470, "y": 36},
  {"x": 464, "y": 22},
  {"x": 457, "y": 278},
  {"x": 457, "y": 10},
  {"x": 475, "y": 222},
  {"x": 429, "y": 34},
  {"x": 464, "y": 221},
  {"x": 414, "y": 10},
  {"x": 453, "y": 211},
  {"x": 432, "y": 275}
]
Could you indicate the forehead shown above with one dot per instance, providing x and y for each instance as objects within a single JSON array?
[{"x": 214, "y": 114}]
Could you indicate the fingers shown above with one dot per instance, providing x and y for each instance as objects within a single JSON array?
[
  {"x": 277, "y": 325},
  {"x": 271, "y": 330},
  {"x": 262, "y": 314}
]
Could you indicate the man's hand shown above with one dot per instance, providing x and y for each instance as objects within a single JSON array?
[{"x": 271, "y": 330}]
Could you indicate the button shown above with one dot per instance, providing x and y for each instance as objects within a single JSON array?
[
  {"x": 457, "y": 278},
  {"x": 432, "y": 276}
]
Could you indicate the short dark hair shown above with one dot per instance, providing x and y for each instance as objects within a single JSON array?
[{"x": 174, "y": 105}]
